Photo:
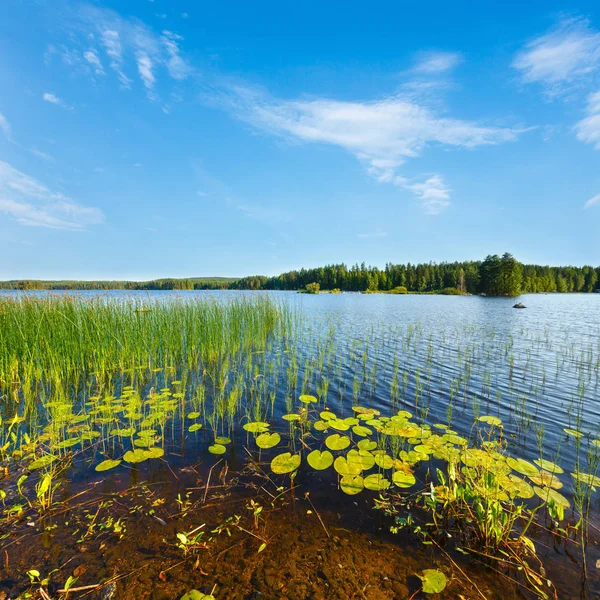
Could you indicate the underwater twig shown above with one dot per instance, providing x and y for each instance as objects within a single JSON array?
[
  {"x": 307, "y": 496},
  {"x": 208, "y": 480}
]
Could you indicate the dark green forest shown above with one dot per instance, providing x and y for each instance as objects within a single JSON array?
[{"x": 494, "y": 276}]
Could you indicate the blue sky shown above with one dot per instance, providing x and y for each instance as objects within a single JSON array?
[{"x": 154, "y": 138}]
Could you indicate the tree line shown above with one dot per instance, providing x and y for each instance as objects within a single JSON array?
[{"x": 494, "y": 276}]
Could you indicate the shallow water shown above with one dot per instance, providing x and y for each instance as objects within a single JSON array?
[{"x": 534, "y": 368}]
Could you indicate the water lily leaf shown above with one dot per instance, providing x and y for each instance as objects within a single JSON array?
[
  {"x": 327, "y": 415},
  {"x": 337, "y": 442},
  {"x": 433, "y": 581},
  {"x": 306, "y": 399},
  {"x": 339, "y": 424},
  {"x": 222, "y": 440},
  {"x": 135, "y": 456},
  {"x": 108, "y": 464},
  {"x": 193, "y": 415},
  {"x": 384, "y": 461},
  {"x": 367, "y": 445},
  {"x": 491, "y": 420},
  {"x": 547, "y": 479},
  {"x": 376, "y": 482},
  {"x": 285, "y": 463},
  {"x": 268, "y": 440},
  {"x": 68, "y": 443},
  {"x": 217, "y": 449},
  {"x": 344, "y": 468},
  {"x": 403, "y": 479},
  {"x": 548, "y": 466},
  {"x": 196, "y": 595},
  {"x": 41, "y": 462},
  {"x": 352, "y": 484},
  {"x": 519, "y": 487},
  {"x": 522, "y": 466},
  {"x": 547, "y": 494},
  {"x": 194, "y": 427},
  {"x": 155, "y": 452},
  {"x": 591, "y": 480},
  {"x": 320, "y": 460},
  {"x": 573, "y": 433},
  {"x": 366, "y": 411},
  {"x": 361, "y": 430},
  {"x": 320, "y": 425},
  {"x": 256, "y": 427},
  {"x": 143, "y": 442},
  {"x": 362, "y": 458}
]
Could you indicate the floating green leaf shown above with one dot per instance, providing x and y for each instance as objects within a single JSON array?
[
  {"x": 548, "y": 466},
  {"x": 108, "y": 464},
  {"x": 352, "y": 484},
  {"x": 306, "y": 399},
  {"x": 256, "y": 427},
  {"x": 320, "y": 460},
  {"x": 337, "y": 442},
  {"x": 194, "y": 427},
  {"x": 376, "y": 482},
  {"x": 548, "y": 494},
  {"x": 285, "y": 463},
  {"x": 217, "y": 449},
  {"x": 573, "y": 433},
  {"x": 522, "y": 466},
  {"x": 361, "y": 430},
  {"x": 491, "y": 420},
  {"x": 403, "y": 479},
  {"x": 41, "y": 462},
  {"x": 268, "y": 440},
  {"x": 433, "y": 581}
]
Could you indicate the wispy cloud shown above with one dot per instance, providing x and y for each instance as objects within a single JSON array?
[
  {"x": 381, "y": 134},
  {"x": 5, "y": 127},
  {"x": 561, "y": 58},
  {"x": 592, "y": 201},
  {"x": 93, "y": 59},
  {"x": 33, "y": 204},
  {"x": 53, "y": 99},
  {"x": 42, "y": 155},
  {"x": 435, "y": 63},
  {"x": 588, "y": 129},
  {"x": 101, "y": 36},
  {"x": 374, "y": 234}
]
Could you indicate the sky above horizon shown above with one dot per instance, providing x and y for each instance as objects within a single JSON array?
[{"x": 178, "y": 139}]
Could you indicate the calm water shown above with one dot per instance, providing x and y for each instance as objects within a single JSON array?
[{"x": 537, "y": 369}]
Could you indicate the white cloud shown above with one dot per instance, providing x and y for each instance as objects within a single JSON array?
[
  {"x": 434, "y": 63},
  {"x": 92, "y": 57},
  {"x": 592, "y": 201},
  {"x": 375, "y": 234},
  {"x": 53, "y": 99},
  {"x": 42, "y": 155},
  {"x": 32, "y": 204},
  {"x": 588, "y": 129},
  {"x": 558, "y": 59},
  {"x": 102, "y": 36},
  {"x": 381, "y": 134},
  {"x": 5, "y": 127},
  {"x": 433, "y": 193}
]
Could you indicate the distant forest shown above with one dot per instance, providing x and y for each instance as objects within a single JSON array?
[{"x": 496, "y": 276}]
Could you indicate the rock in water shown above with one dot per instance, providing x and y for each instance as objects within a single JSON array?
[
  {"x": 519, "y": 305},
  {"x": 109, "y": 592}
]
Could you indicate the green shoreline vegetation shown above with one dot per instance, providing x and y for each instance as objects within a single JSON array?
[
  {"x": 104, "y": 385},
  {"x": 494, "y": 276}
]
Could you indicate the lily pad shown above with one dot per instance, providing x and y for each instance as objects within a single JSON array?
[
  {"x": 522, "y": 466},
  {"x": 548, "y": 466},
  {"x": 217, "y": 449},
  {"x": 285, "y": 463},
  {"x": 306, "y": 399},
  {"x": 361, "y": 430},
  {"x": 548, "y": 494},
  {"x": 344, "y": 468},
  {"x": 337, "y": 442},
  {"x": 256, "y": 427},
  {"x": 352, "y": 484},
  {"x": 268, "y": 440},
  {"x": 194, "y": 427},
  {"x": 403, "y": 479},
  {"x": 376, "y": 482},
  {"x": 108, "y": 464},
  {"x": 320, "y": 460},
  {"x": 433, "y": 581},
  {"x": 491, "y": 420}
]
